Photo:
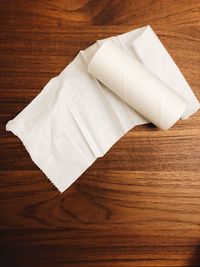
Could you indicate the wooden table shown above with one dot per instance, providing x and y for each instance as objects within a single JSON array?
[{"x": 139, "y": 205}]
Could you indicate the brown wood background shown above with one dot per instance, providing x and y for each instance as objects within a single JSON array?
[{"x": 139, "y": 205}]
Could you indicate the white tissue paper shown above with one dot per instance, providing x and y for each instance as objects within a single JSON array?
[
  {"x": 128, "y": 78},
  {"x": 76, "y": 119}
]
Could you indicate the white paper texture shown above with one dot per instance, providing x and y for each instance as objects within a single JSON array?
[
  {"x": 129, "y": 79},
  {"x": 76, "y": 119}
]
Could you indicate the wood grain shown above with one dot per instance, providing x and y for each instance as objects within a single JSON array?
[{"x": 139, "y": 205}]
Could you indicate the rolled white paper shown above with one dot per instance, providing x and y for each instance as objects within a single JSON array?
[
  {"x": 122, "y": 73},
  {"x": 75, "y": 119}
]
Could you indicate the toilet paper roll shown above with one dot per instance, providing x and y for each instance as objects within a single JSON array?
[{"x": 123, "y": 73}]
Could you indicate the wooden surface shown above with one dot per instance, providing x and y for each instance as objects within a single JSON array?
[{"x": 139, "y": 205}]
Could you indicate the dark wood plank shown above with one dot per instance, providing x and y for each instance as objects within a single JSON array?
[{"x": 136, "y": 206}]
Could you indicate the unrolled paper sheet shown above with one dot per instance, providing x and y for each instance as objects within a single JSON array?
[{"x": 75, "y": 119}]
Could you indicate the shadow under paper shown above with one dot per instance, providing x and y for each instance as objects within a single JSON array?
[{"x": 195, "y": 260}]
